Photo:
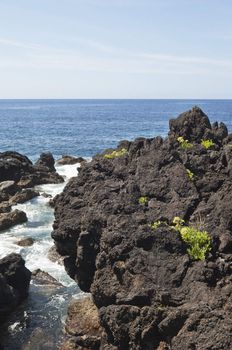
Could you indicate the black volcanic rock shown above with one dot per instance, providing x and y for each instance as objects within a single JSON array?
[
  {"x": 14, "y": 283},
  {"x": 13, "y": 166},
  {"x": 149, "y": 292},
  {"x": 18, "y": 168},
  {"x": 12, "y": 218},
  {"x": 70, "y": 160},
  {"x": 46, "y": 162}
]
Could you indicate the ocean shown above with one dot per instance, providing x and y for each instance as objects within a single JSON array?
[
  {"x": 86, "y": 127},
  {"x": 79, "y": 128}
]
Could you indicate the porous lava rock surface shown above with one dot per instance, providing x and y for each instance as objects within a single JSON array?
[
  {"x": 18, "y": 168},
  {"x": 149, "y": 293},
  {"x": 14, "y": 283}
]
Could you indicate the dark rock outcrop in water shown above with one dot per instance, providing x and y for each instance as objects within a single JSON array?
[
  {"x": 70, "y": 160},
  {"x": 14, "y": 283},
  {"x": 12, "y": 218},
  {"x": 17, "y": 176},
  {"x": 149, "y": 292},
  {"x": 18, "y": 168}
]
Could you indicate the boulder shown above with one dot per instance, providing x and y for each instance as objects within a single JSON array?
[
  {"x": 83, "y": 323},
  {"x": 18, "y": 168},
  {"x": 26, "y": 242},
  {"x": 114, "y": 226},
  {"x": 13, "y": 166},
  {"x": 14, "y": 283},
  {"x": 43, "y": 278},
  {"x": 54, "y": 256},
  {"x": 46, "y": 162},
  {"x": 70, "y": 160},
  {"x": 23, "y": 196},
  {"x": 9, "y": 219}
]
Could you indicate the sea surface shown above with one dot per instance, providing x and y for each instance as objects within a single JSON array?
[
  {"x": 86, "y": 127},
  {"x": 79, "y": 128}
]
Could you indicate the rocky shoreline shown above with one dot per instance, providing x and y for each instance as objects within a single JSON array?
[
  {"x": 146, "y": 229},
  {"x": 18, "y": 176}
]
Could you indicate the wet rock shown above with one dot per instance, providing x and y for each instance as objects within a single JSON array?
[
  {"x": 83, "y": 323},
  {"x": 39, "y": 339},
  {"x": 149, "y": 292},
  {"x": 5, "y": 207},
  {"x": 23, "y": 196},
  {"x": 12, "y": 218},
  {"x": 7, "y": 186},
  {"x": 13, "y": 166},
  {"x": 18, "y": 168},
  {"x": 70, "y": 160},
  {"x": 43, "y": 278},
  {"x": 54, "y": 256},
  {"x": 83, "y": 318},
  {"x": 26, "y": 242},
  {"x": 46, "y": 162},
  {"x": 14, "y": 283},
  {"x": 46, "y": 195}
]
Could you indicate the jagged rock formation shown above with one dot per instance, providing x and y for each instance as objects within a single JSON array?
[
  {"x": 149, "y": 292},
  {"x": 17, "y": 175},
  {"x": 18, "y": 168},
  {"x": 14, "y": 283}
]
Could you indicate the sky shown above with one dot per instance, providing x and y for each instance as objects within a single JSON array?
[{"x": 115, "y": 49}]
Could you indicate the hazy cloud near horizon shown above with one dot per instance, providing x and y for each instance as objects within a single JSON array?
[{"x": 115, "y": 49}]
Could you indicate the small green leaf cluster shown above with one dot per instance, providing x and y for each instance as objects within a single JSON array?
[
  {"x": 199, "y": 242},
  {"x": 184, "y": 143},
  {"x": 156, "y": 224},
  {"x": 116, "y": 154},
  {"x": 190, "y": 174},
  {"x": 143, "y": 200},
  {"x": 207, "y": 143}
]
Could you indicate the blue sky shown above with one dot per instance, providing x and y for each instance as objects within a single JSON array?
[{"x": 115, "y": 49}]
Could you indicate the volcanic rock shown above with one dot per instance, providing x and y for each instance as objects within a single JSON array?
[
  {"x": 83, "y": 323},
  {"x": 26, "y": 242},
  {"x": 46, "y": 162},
  {"x": 150, "y": 293},
  {"x": 70, "y": 160},
  {"x": 9, "y": 219},
  {"x": 14, "y": 283},
  {"x": 43, "y": 278},
  {"x": 54, "y": 256},
  {"x": 18, "y": 168},
  {"x": 23, "y": 196}
]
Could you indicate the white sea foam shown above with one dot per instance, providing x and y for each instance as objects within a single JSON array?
[{"x": 39, "y": 227}]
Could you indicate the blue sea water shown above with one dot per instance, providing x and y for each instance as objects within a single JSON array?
[{"x": 86, "y": 127}]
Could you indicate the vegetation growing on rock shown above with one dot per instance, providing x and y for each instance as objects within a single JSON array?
[
  {"x": 207, "y": 144},
  {"x": 184, "y": 143},
  {"x": 143, "y": 200},
  {"x": 199, "y": 242},
  {"x": 116, "y": 154}
]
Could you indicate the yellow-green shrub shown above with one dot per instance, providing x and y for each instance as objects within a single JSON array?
[{"x": 116, "y": 154}]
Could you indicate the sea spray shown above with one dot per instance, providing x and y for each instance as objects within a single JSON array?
[{"x": 37, "y": 323}]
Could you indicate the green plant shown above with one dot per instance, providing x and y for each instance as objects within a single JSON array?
[
  {"x": 207, "y": 143},
  {"x": 199, "y": 242},
  {"x": 143, "y": 200},
  {"x": 184, "y": 143},
  {"x": 156, "y": 224},
  {"x": 116, "y": 154},
  {"x": 190, "y": 174}
]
